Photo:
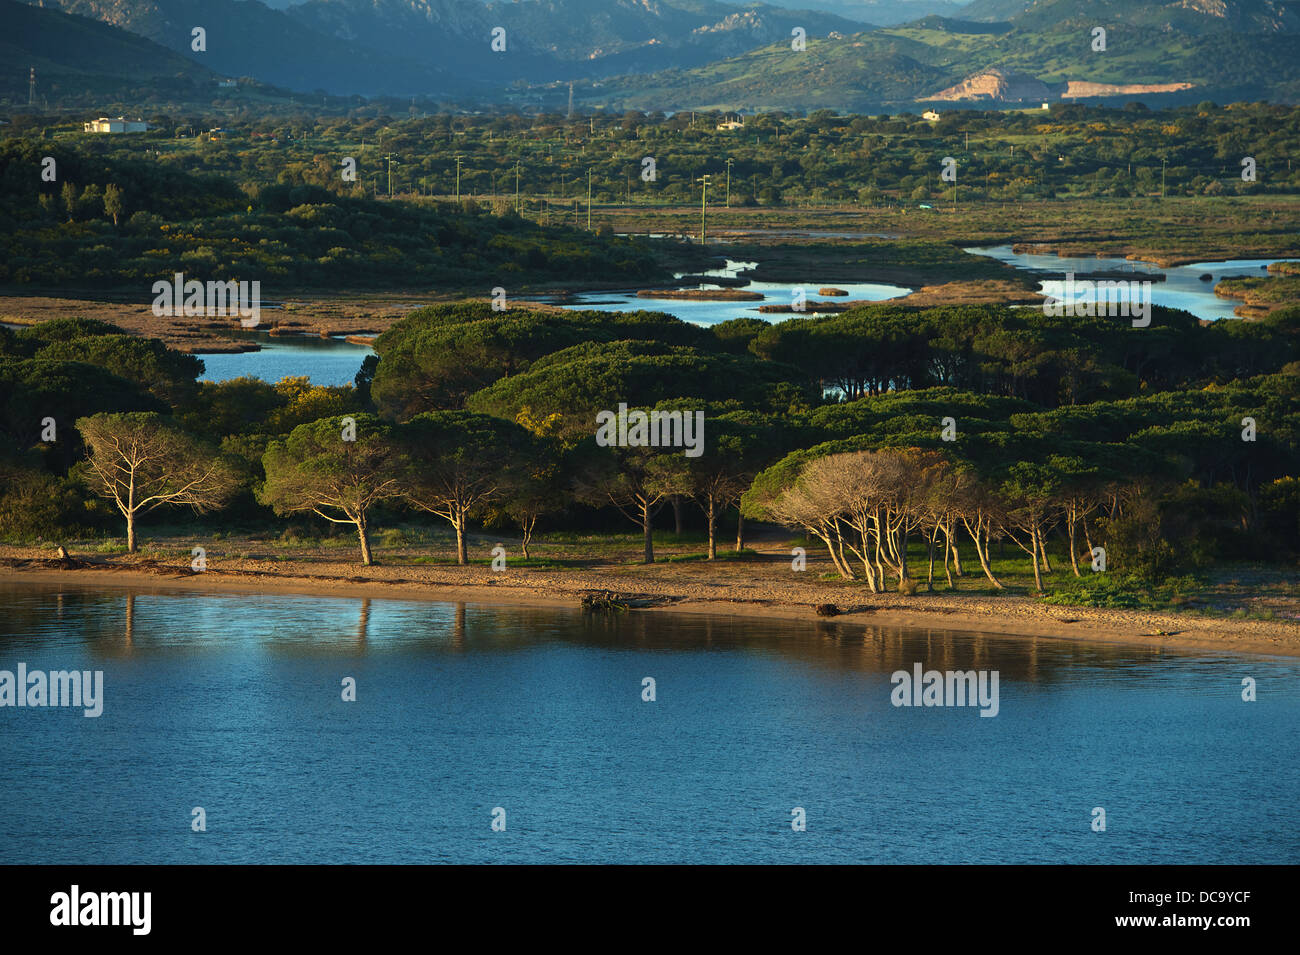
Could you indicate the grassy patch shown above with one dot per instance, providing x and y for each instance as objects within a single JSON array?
[{"x": 1126, "y": 593}]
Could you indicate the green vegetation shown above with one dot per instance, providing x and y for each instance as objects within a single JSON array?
[
  {"x": 912, "y": 443},
  {"x": 114, "y": 224},
  {"x": 266, "y": 199},
  {"x": 915, "y": 445}
]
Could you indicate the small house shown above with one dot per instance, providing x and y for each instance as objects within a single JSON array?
[{"x": 120, "y": 125}]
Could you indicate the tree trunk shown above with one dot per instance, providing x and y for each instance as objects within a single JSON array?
[
  {"x": 837, "y": 559},
  {"x": 527, "y": 525},
  {"x": 649, "y": 534},
  {"x": 713, "y": 524},
  {"x": 365, "y": 540},
  {"x": 740, "y": 532},
  {"x": 130, "y": 533},
  {"x": 677, "y": 514},
  {"x": 902, "y": 559},
  {"x": 930, "y": 544},
  {"x": 462, "y": 554},
  {"x": 1042, "y": 549},
  {"x": 1074, "y": 557},
  {"x": 956, "y": 554},
  {"x": 982, "y": 552},
  {"x": 947, "y": 553},
  {"x": 1033, "y": 551}
]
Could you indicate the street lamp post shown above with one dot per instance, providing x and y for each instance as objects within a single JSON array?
[{"x": 729, "y": 162}]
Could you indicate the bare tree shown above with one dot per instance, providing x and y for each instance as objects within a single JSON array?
[
  {"x": 813, "y": 504},
  {"x": 981, "y": 514},
  {"x": 139, "y": 462}
]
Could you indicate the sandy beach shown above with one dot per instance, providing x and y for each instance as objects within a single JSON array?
[{"x": 762, "y": 587}]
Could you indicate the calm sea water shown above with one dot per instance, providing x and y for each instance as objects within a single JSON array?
[{"x": 233, "y": 703}]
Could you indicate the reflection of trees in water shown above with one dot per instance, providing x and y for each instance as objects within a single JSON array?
[
  {"x": 129, "y": 642},
  {"x": 363, "y": 624},
  {"x": 844, "y": 645},
  {"x": 106, "y": 623},
  {"x": 458, "y": 628}
]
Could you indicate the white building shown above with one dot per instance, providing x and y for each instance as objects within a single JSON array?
[
  {"x": 931, "y": 114},
  {"x": 119, "y": 125}
]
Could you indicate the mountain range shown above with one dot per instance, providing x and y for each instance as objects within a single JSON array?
[
  {"x": 444, "y": 47},
  {"x": 1162, "y": 52},
  {"x": 680, "y": 54}
]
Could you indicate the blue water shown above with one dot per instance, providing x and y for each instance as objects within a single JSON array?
[
  {"x": 324, "y": 361},
  {"x": 329, "y": 362},
  {"x": 713, "y": 313},
  {"x": 232, "y": 703},
  {"x": 1182, "y": 285}
]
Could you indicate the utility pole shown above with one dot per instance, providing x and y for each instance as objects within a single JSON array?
[
  {"x": 704, "y": 205},
  {"x": 31, "y": 88},
  {"x": 570, "y": 116},
  {"x": 729, "y": 162},
  {"x": 588, "y": 200},
  {"x": 458, "y": 158},
  {"x": 1162, "y": 179},
  {"x": 390, "y": 160},
  {"x": 516, "y": 187}
]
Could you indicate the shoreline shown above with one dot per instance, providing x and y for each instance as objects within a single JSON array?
[{"x": 1003, "y": 616}]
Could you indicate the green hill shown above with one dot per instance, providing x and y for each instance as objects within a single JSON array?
[{"x": 82, "y": 59}]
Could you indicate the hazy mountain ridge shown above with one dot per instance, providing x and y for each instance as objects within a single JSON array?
[
  {"x": 553, "y": 36},
  {"x": 674, "y": 54},
  {"x": 1193, "y": 16},
  {"x": 444, "y": 46},
  {"x": 1174, "y": 49},
  {"x": 246, "y": 38}
]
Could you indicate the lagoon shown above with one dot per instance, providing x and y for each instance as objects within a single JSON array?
[
  {"x": 334, "y": 362},
  {"x": 233, "y": 703},
  {"x": 1182, "y": 286}
]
